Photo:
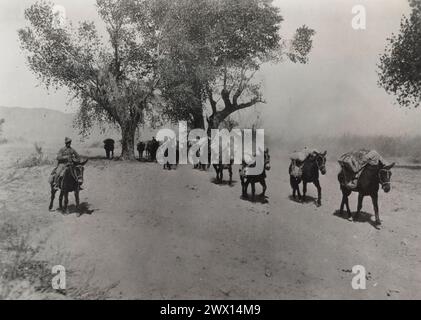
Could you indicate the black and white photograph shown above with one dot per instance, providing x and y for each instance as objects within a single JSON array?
[{"x": 211, "y": 150}]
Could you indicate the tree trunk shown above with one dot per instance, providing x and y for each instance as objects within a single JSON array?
[
  {"x": 128, "y": 131},
  {"x": 216, "y": 119},
  {"x": 198, "y": 121}
]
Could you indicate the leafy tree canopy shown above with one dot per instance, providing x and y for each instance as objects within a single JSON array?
[{"x": 400, "y": 65}]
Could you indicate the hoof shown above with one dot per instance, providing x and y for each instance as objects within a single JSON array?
[{"x": 78, "y": 214}]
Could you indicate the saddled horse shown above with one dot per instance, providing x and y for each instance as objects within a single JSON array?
[
  {"x": 71, "y": 181},
  {"x": 310, "y": 174},
  {"x": 372, "y": 176},
  {"x": 253, "y": 179}
]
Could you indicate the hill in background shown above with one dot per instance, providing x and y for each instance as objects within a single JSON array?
[{"x": 45, "y": 126}]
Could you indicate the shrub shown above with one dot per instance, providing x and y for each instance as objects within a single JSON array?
[{"x": 36, "y": 159}]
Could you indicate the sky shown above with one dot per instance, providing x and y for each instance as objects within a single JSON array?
[{"x": 334, "y": 94}]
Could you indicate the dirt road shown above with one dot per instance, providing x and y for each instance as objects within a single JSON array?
[{"x": 177, "y": 235}]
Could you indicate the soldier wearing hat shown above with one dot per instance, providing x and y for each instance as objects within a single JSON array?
[{"x": 64, "y": 157}]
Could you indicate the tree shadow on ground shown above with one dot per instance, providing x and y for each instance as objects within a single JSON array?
[{"x": 362, "y": 217}]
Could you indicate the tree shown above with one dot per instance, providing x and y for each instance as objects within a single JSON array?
[
  {"x": 400, "y": 65},
  {"x": 113, "y": 80},
  {"x": 216, "y": 47}
]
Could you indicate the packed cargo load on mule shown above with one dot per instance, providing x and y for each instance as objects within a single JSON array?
[
  {"x": 297, "y": 161},
  {"x": 353, "y": 163}
]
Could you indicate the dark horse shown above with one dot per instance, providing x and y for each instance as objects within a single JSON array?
[
  {"x": 109, "y": 148},
  {"x": 368, "y": 185},
  {"x": 70, "y": 182},
  {"x": 253, "y": 179},
  {"x": 140, "y": 148},
  {"x": 220, "y": 167},
  {"x": 310, "y": 174}
]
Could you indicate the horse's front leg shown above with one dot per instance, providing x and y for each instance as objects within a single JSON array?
[
  {"x": 253, "y": 190},
  {"x": 360, "y": 202},
  {"x": 230, "y": 173},
  {"x": 77, "y": 199},
  {"x": 66, "y": 201},
  {"x": 53, "y": 194},
  {"x": 304, "y": 190},
  {"x": 77, "y": 203},
  {"x": 60, "y": 200},
  {"x": 345, "y": 202},
  {"x": 293, "y": 184},
  {"x": 319, "y": 193},
  {"x": 244, "y": 186},
  {"x": 264, "y": 186},
  {"x": 298, "y": 191},
  {"x": 375, "y": 199}
]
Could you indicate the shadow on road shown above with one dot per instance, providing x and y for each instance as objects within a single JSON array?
[
  {"x": 362, "y": 217},
  {"x": 84, "y": 208},
  {"x": 257, "y": 199},
  {"x": 224, "y": 182}
]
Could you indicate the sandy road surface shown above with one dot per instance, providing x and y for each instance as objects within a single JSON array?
[{"x": 176, "y": 235}]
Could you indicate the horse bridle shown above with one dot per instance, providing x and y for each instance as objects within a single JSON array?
[
  {"x": 267, "y": 161},
  {"x": 388, "y": 175},
  {"x": 73, "y": 173},
  {"x": 317, "y": 163}
]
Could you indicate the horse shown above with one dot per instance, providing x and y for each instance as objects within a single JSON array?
[
  {"x": 253, "y": 179},
  {"x": 219, "y": 169},
  {"x": 140, "y": 148},
  {"x": 368, "y": 185},
  {"x": 71, "y": 181},
  {"x": 310, "y": 174},
  {"x": 109, "y": 148}
]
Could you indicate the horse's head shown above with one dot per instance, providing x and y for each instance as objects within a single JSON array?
[
  {"x": 320, "y": 159},
  {"x": 267, "y": 159},
  {"x": 385, "y": 175},
  {"x": 77, "y": 171}
]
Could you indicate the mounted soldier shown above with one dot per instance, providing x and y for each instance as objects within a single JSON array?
[{"x": 65, "y": 156}]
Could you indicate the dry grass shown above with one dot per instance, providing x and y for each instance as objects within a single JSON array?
[
  {"x": 35, "y": 159},
  {"x": 24, "y": 276}
]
